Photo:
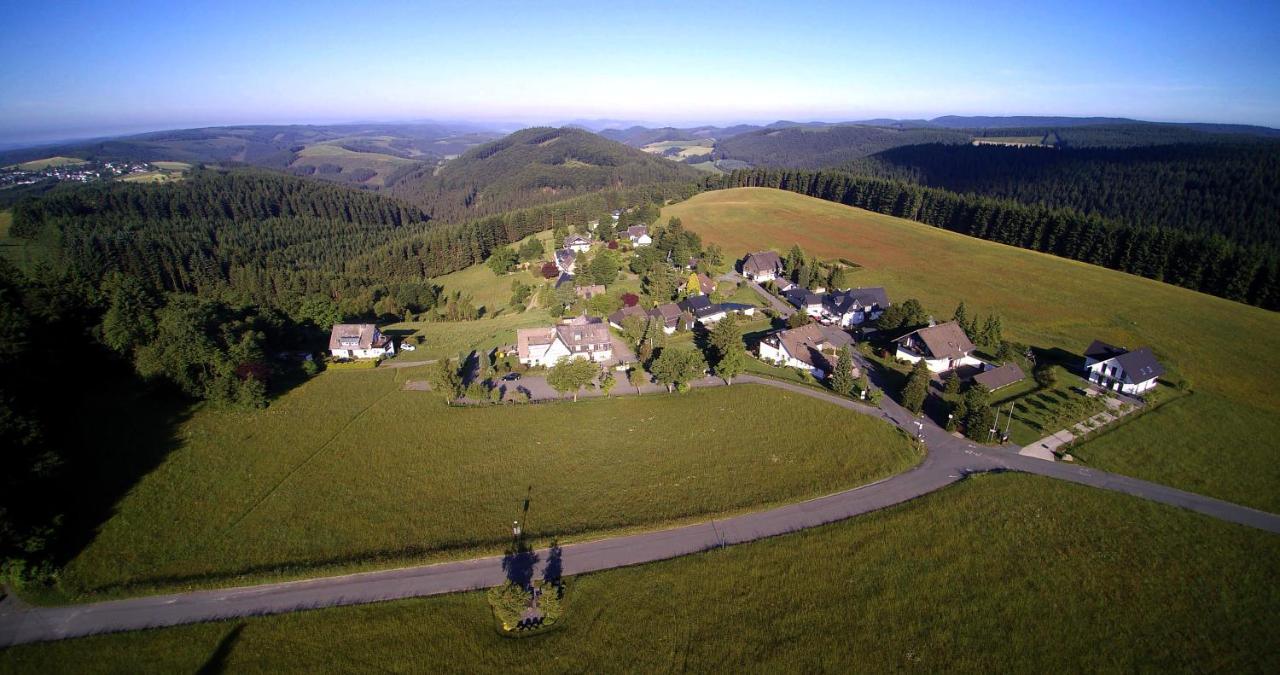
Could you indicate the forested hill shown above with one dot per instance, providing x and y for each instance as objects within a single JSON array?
[
  {"x": 533, "y": 166},
  {"x": 246, "y": 235},
  {"x": 1232, "y": 189},
  {"x": 804, "y": 147}
]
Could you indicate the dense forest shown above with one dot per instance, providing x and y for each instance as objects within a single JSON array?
[
  {"x": 1207, "y": 263},
  {"x": 530, "y": 167},
  {"x": 804, "y": 147},
  {"x": 1232, "y": 189}
]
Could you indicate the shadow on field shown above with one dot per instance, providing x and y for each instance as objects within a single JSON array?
[{"x": 217, "y": 661}]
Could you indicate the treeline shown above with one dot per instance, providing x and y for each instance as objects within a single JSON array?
[
  {"x": 1228, "y": 189},
  {"x": 1131, "y": 135},
  {"x": 1206, "y": 263}
]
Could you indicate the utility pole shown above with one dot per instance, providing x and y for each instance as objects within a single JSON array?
[{"x": 1008, "y": 422}]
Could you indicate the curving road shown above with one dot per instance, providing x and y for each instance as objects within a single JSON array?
[{"x": 949, "y": 460}]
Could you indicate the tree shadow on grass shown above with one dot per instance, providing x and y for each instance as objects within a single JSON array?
[{"x": 217, "y": 661}]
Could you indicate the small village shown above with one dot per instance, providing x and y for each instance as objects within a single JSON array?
[
  {"x": 849, "y": 340},
  {"x": 69, "y": 170}
]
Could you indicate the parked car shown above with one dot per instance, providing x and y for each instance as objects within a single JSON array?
[
  {"x": 407, "y": 347},
  {"x": 511, "y": 377}
]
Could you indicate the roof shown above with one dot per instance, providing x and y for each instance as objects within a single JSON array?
[
  {"x": 854, "y": 299},
  {"x": 943, "y": 341},
  {"x": 763, "y": 261},
  {"x": 701, "y": 307},
  {"x": 564, "y": 278},
  {"x": 533, "y": 336},
  {"x": 576, "y": 240},
  {"x": 805, "y": 343},
  {"x": 1138, "y": 365},
  {"x": 619, "y": 316},
  {"x": 1001, "y": 376},
  {"x": 667, "y": 311},
  {"x": 706, "y": 284},
  {"x": 582, "y": 330},
  {"x": 356, "y": 336},
  {"x": 565, "y": 255},
  {"x": 637, "y": 231},
  {"x": 802, "y": 297}
]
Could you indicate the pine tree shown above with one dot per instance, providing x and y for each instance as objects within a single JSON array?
[
  {"x": 842, "y": 377},
  {"x": 917, "y": 387}
]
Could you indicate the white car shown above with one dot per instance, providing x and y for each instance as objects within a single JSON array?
[{"x": 406, "y": 347}]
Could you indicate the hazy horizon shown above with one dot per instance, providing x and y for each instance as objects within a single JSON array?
[{"x": 157, "y": 66}]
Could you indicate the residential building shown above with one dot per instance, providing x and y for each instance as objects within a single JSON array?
[
  {"x": 1117, "y": 369},
  {"x": 943, "y": 347},
  {"x": 762, "y": 266},
  {"x": 853, "y": 306},
  {"x": 565, "y": 260},
  {"x": 359, "y": 341},
  {"x": 702, "y": 309},
  {"x": 621, "y": 315},
  {"x": 812, "y": 347},
  {"x": 588, "y": 292},
  {"x": 581, "y": 337},
  {"x": 639, "y": 235},
  {"x": 706, "y": 284},
  {"x": 577, "y": 243},
  {"x": 672, "y": 317},
  {"x": 805, "y": 300}
]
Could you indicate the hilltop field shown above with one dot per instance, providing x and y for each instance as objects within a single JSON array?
[
  {"x": 1221, "y": 441},
  {"x": 998, "y": 573}
]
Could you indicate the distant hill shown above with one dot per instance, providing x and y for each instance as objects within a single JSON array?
[
  {"x": 638, "y": 137},
  {"x": 811, "y": 147},
  {"x": 367, "y": 155},
  {"x": 533, "y": 166}
]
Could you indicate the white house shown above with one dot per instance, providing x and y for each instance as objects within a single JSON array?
[
  {"x": 671, "y": 315},
  {"x": 581, "y": 337},
  {"x": 1115, "y": 368},
  {"x": 639, "y": 235},
  {"x": 943, "y": 347},
  {"x": 577, "y": 243},
  {"x": 359, "y": 341},
  {"x": 805, "y": 300},
  {"x": 804, "y": 347},
  {"x": 702, "y": 309},
  {"x": 762, "y": 266},
  {"x": 853, "y": 306}
]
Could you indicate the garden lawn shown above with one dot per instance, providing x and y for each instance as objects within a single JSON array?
[
  {"x": 448, "y": 339},
  {"x": 349, "y": 470},
  {"x": 1000, "y": 573},
  {"x": 1223, "y": 440}
]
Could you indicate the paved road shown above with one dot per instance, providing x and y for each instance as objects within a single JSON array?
[
  {"x": 783, "y": 308},
  {"x": 949, "y": 460}
]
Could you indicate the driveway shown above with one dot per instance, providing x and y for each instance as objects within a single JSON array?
[{"x": 783, "y": 308}]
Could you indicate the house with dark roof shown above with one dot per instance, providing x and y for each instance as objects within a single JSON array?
[
  {"x": 943, "y": 347},
  {"x": 812, "y": 347},
  {"x": 565, "y": 260},
  {"x": 1118, "y": 369},
  {"x": 359, "y": 341},
  {"x": 1000, "y": 376},
  {"x": 853, "y": 306},
  {"x": 621, "y": 315},
  {"x": 672, "y": 317},
  {"x": 762, "y": 266},
  {"x": 805, "y": 300},
  {"x": 702, "y": 309}
]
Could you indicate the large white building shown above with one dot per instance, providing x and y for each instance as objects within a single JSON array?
[
  {"x": 359, "y": 341},
  {"x": 581, "y": 337}
]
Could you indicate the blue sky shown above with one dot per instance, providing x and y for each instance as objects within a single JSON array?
[{"x": 75, "y": 69}]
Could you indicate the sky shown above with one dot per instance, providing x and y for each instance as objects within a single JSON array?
[{"x": 72, "y": 69}]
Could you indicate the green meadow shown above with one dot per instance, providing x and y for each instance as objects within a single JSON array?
[
  {"x": 1000, "y": 573},
  {"x": 1222, "y": 440},
  {"x": 349, "y": 471}
]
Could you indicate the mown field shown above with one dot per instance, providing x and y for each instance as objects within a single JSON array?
[
  {"x": 1223, "y": 440},
  {"x": 1004, "y": 573},
  {"x": 350, "y": 470},
  {"x": 49, "y": 162},
  {"x": 448, "y": 339},
  {"x": 321, "y": 154}
]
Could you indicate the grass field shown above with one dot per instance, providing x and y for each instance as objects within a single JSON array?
[
  {"x": 486, "y": 288},
  {"x": 324, "y": 153},
  {"x": 448, "y": 339},
  {"x": 1004, "y": 573},
  {"x": 49, "y": 162},
  {"x": 349, "y": 470},
  {"x": 695, "y": 148},
  {"x": 1009, "y": 140},
  {"x": 1223, "y": 440}
]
